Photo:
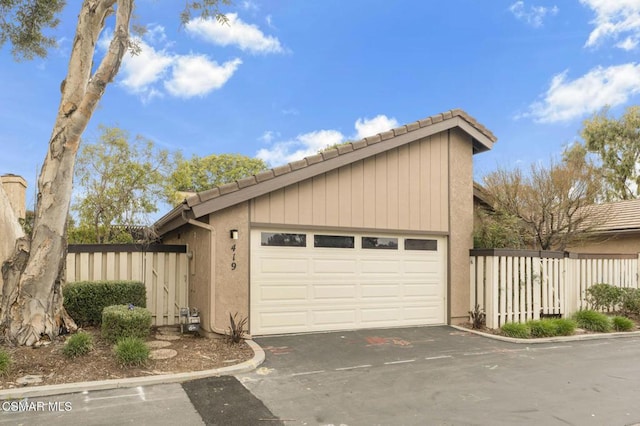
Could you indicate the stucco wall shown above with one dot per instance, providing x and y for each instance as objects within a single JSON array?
[
  {"x": 461, "y": 220},
  {"x": 231, "y": 285},
  {"x": 625, "y": 243},
  {"x": 198, "y": 246},
  {"x": 401, "y": 189},
  {"x": 16, "y": 189}
]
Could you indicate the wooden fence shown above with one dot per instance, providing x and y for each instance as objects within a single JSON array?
[
  {"x": 520, "y": 285},
  {"x": 162, "y": 268}
]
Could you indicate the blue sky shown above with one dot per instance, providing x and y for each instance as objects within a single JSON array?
[{"x": 289, "y": 77}]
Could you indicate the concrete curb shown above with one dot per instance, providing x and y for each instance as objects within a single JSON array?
[
  {"x": 597, "y": 336},
  {"x": 36, "y": 391}
]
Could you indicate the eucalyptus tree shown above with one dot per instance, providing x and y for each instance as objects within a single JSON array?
[{"x": 33, "y": 269}]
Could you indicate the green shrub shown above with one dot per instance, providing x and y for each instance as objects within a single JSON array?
[
  {"x": 604, "y": 297},
  {"x": 516, "y": 329},
  {"x": 85, "y": 300},
  {"x": 78, "y": 344},
  {"x": 622, "y": 324},
  {"x": 593, "y": 321},
  {"x": 565, "y": 326},
  {"x": 120, "y": 321},
  {"x": 542, "y": 328},
  {"x": 131, "y": 351},
  {"x": 630, "y": 301},
  {"x": 5, "y": 362}
]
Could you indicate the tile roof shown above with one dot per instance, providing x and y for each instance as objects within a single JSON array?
[
  {"x": 483, "y": 140},
  {"x": 621, "y": 216}
]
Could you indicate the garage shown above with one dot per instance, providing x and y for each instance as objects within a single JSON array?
[
  {"x": 372, "y": 233},
  {"x": 303, "y": 281}
]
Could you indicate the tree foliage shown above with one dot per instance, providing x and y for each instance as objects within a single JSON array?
[
  {"x": 499, "y": 230},
  {"x": 553, "y": 205},
  {"x": 201, "y": 173},
  {"x": 22, "y": 24},
  {"x": 119, "y": 181},
  {"x": 32, "y": 275},
  {"x": 617, "y": 144}
]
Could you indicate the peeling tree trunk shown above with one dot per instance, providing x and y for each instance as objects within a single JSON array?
[{"x": 31, "y": 305}]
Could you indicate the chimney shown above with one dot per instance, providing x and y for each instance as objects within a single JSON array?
[{"x": 16, "y": 188}]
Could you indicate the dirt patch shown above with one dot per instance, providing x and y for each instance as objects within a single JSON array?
[{"x": 195, "y": 353}]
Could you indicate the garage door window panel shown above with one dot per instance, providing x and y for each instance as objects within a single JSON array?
[
  {"x": 380, "y": 243},
  {"x": 420, "y": 244},
  {"x": 334, "y": 241},
  {"x": 276, "y": 239}
]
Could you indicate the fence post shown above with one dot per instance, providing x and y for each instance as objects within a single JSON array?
[
  {"x": 537, "y": 285},
  {"x": 570, "y": 286},
  {"x": 473, "y": 283},
  {"x": 637, "y": 277},
  {"x": 491, "y": 291}
]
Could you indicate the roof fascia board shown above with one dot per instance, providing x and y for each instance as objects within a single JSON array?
[
  {"x": 247, "y": 193},
  {"x": 475, "y": 134},
  {"x": 172, "y": 220}
]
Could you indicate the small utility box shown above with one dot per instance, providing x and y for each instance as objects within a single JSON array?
[{"x": 189, "y": 320}]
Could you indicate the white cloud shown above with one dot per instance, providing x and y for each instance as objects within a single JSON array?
[
  {"x": 268, "y": 136},
  {"x": 249, "y": 5},
  {"x": 139, "y": 72},
  {"x": 269, "y": 20},
  {"x": 197, "y": 75},
  {"x": 628, "y": 43},
  {"x": 614, "y": 18},
  {"x": 378, "y": 124},
  {"x": 534, "y": 15},
  {"x": 154, "y": 72},
  {"x": 566, "y": 100},
  {"x": 155, "y": 34},
  {"x": 236, "y": 32},
  {"x": 310, "y": 143},
  {"x": 302, "y": 146}
]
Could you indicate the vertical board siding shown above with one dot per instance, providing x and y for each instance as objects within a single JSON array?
[
  {"x": 403, "y": 188},
  {"x": 512, "y": 288},
  {"x": 165, "y": 276}
]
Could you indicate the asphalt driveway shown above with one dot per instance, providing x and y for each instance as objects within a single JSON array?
[
  {"x": 441, "y": 376},
  {"x": 412, "y": 376}
]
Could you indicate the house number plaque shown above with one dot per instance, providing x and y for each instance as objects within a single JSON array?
[{"x": 234, "y": 265}]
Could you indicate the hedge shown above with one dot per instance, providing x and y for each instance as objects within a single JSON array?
[
  {"x": 122, "y": 321},
  {"x": 85, "y": 300}
]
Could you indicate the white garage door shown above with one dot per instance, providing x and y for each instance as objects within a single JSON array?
[{"x": 318, "y": 281}]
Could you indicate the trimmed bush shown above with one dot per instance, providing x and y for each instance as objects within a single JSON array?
[
  {"x": 542, "y": 328},
  {"x": 622, "y": 324},
  {"x": 80, "y": 343},
  {"x": 5, "y": 362},
  {"x": 593, "y": 321},
  {"x": 120, "y": 321},
  {"x": 85, "y": 300},
  {"x": 565, "y": 326},
  {"x": 517, "y": 330},
  {"x": 630, "y": 301},
  {"x": 131, "y": 351},
  {"x": 604, "y": 297}
]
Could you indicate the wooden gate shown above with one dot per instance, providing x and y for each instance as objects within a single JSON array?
[{"x": 162, "y": 268}]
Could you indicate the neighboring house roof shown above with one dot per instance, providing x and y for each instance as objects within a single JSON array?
[
  {"x": 480, "y": 194},
  {"x": 227, "y": 195},
  {"x": 621, "y": 216}
]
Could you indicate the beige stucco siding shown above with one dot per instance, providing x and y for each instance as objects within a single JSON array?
[
  {"x": 198, "y": 242},
  {"x": 228, "y": 291},
  {"x": 231, "y": 283},
  {"x": 404, "y": 188},
  {"x": 621, "y": 243},
  {"x": 461, "y": 235}
]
